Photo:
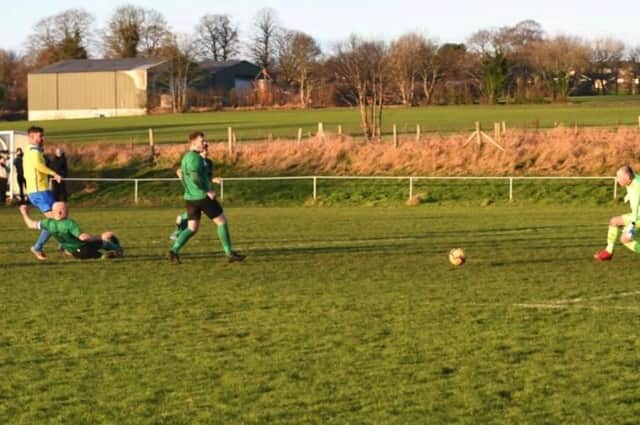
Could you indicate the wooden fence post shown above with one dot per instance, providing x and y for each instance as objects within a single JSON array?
[
  {"x": 496, "y": 130},
  {"x": 395, "y": 136},
  {"x": 230, "y": 139},
  {"x": 152, "y": 149},
  {"x": 478, "y": 138},
  {"x": 299, "y": 135},
  {"x": 321, "y": 130},
  {"x": 418, "y": 131},
  {"x": 504, "y": 128}
]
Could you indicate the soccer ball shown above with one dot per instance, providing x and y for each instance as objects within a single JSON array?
[{"x": 456, "y": 256}]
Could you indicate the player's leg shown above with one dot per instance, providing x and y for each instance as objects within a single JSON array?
[
  {"x": 88, "y": 251},
  {"x": 628, "y": 237},
  {"x": 615, "y": 228},
  {"x": 44, "y": 202},
  {"x": 111, "y": 245},
  {"x": 181, "y": 224},
  {"x": 213, "y": 209},
  {"x": 194, "y": 213}
]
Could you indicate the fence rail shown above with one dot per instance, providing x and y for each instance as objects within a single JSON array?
[{"x": 314, "y": 179}]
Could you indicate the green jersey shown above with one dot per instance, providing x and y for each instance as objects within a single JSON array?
[
  {"x": 633, "y": 197},
  {"x": 66, "y": 231},
  {"x": 195, "y": 178}
]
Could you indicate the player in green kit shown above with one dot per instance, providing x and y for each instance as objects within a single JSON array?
[
  {"x": 625, "y": 224},
  {"x": 200, "y": 198},
  {"x": 74, "y": 242}
]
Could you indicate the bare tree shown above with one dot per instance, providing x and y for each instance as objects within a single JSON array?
[
  {"x": 407, "y": 61},
  {"x": 180, "y": 52},
  {"x": 265, "y": 32},
  {"x": 66, "y": 35},
  {"x": 13, "y": 79},
  {"x": 364, "y": 67},
  {"x": 560, "y": 61},
  {"x": 634, "y": 66},
  {"x": 430, "y": 69},
  {"x": 606, "y": 57},
  {"x": 218, "y": 37},
  {"x": 297, "y": 57},
  {"x": 133, "y": 31}
]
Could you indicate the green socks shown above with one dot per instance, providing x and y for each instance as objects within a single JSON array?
[
  {"x": 182, "y": 221},
  {"x": 110, "y": 246},
  {"x": 612, "y": 237},
  {"x": 225, "y": 239},
  {"x": 181, "y": 240}
]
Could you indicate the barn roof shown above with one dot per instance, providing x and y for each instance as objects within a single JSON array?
[
  {"x": 99, "y": 65},
  {"x": 213, "y": 66}
]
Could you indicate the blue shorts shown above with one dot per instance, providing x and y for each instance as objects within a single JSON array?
[{"x": 42, "y": 200}]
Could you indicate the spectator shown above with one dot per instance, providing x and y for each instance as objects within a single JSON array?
[
  {"x": 59, "y": 165},
  {"x": 17, "y": 166},
  {"x": 4, "y": 179}
]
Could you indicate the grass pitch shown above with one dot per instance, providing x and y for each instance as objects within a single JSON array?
[
  {"x": 604, "y": 111},
  {"x": 339, "y": 315}
]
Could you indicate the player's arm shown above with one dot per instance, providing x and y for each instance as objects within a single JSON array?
[
  {"x": 192, "y": 168},
  {"x": 31, "y": 224},
  {"x": 75, "y": 230},
  {"x": 41, "y": 167}
]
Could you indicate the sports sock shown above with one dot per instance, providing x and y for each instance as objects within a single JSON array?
[
  {"x": 225, "y": 238},
  {"x": 110, "y": 245},
  {"x": 633, "y": 246},
  {"x": 181, "y": 240},
  {"x": 612, "y": 237},
  {"x": 42, "y": 239},
  {"x": 181, "y": 221}
]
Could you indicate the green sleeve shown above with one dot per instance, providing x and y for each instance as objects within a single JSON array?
[
  {"x": 193, "y": 167},
  {"x": 74, "y": 229},
  {"x": 44, "y": 224}
]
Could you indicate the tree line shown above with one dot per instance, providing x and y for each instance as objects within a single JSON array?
[{"x": 511, "y": 64}]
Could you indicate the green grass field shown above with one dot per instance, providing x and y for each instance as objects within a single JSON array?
[
  {"x": 258, "y": 125},
  {"x": 339, "y": 315}
]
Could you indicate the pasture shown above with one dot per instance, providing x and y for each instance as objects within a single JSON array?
[{"x": 606, "y": 111}]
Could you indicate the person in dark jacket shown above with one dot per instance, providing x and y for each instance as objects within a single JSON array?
[
  {"x": 59, "y": 165},
  {"x": 19, "y": 170}
]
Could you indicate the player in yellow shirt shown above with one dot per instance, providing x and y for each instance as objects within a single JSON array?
[
  {"x": 36, "y": 174},
  {"x": 624, "y": 223}
]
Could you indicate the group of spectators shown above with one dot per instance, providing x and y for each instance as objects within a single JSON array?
[{"x": 57, "y": 162}]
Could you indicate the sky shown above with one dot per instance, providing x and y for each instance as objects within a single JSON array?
[{"x": 330, "y": 21}]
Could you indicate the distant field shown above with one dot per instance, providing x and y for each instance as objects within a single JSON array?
[
  {"x": 339, "y": 315},
  {"x": 256, "y": 125}
]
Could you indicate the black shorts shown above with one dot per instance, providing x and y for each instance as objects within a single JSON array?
[
  {"x": 211, "y": 207},
  {"x": 89, "y": 251}
]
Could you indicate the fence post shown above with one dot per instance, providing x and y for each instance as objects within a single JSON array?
[
  {"x": 299, "y": 135},
  {"x": 615, "y": 188},
  {"x": 478, "y": 135},
  {"x": 410, "y": 188},
  {"x": 135, "y": 191},
  {"x": 395, "y": 136},
  {"x": 230, "y": 139},
  {"x": 418, "y": 131},
  {"x": 222, "y": 189},
  {"x": 504, "y": 128},
  {"x": 321, "y": 131},
  {"x": 315, "y": 188},
  {"x": 510, "y": 189}
]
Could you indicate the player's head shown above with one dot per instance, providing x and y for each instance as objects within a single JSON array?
[
  {"x": 205, "y": 149},
  {"x": 59, "y": 210},
  {"x": 18, "y": 151},
  {"x": 196, "y": 140},
  {"x": 36, "y": 135},
  {"x": 625, "y": 175},
  {"x": 59, "y": 152}
]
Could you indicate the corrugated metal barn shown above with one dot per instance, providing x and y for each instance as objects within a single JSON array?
[{"x": 91, "y": 88}]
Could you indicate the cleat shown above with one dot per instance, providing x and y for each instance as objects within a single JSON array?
[
  {"x": 234, "y": 257},
  {"x": 603, "y": 256},
  {"x": 173, "y": 257},
  {"x": 40, "y": 255}
]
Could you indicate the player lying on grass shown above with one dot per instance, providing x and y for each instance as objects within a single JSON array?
[
  {"x": 183, "y": 219},
  {"x": 200, "y": 198},
  {"x": 625, "y": 224},
  {"x": 73, "y": 241}
]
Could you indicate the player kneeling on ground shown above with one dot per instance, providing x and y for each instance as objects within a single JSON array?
[
  {"x": 73, "y": 241},
  {"x": 624, "y": 223}
]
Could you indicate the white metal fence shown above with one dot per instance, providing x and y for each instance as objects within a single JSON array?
[{"x": 509, "y": 181}]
